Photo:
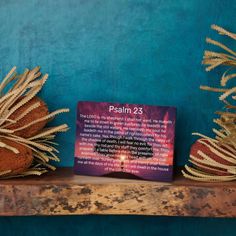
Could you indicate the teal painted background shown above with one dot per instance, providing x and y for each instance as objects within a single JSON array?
[{"x": 135, "y": 51}]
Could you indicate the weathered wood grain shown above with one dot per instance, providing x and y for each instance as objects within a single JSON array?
[{"x": 62, "y": 193}]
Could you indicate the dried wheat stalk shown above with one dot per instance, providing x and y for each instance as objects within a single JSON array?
[
  {"x": 27, "y": 85},
  {"x": 224, "y": 143}
]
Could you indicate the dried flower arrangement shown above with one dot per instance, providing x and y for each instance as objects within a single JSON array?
[
  {"x": 214, "y": 159},
  {"x": 26, "y": 146}
]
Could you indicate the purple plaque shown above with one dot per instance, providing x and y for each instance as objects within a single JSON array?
[{"x": 125, "y": 140}]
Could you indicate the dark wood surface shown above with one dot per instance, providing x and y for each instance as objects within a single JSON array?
[{"x": 63, "y": 193}]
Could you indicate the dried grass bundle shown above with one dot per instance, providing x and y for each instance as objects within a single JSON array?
[
  {"x": 19, "y": 91},
  {"x": 215, "y": 158}
]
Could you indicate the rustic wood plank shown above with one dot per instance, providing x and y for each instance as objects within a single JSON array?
[{"x": 62, "y": 193}]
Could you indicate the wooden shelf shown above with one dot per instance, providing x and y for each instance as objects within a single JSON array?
[{"x": 62, "y": 193}]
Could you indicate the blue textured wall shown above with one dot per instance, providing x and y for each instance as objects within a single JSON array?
[{"x": 136, "y": 51}]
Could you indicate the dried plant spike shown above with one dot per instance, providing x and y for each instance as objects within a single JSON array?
[
  {"x": 17, "y": 163},
  {"x": 220, "y": 45},
  {"x": 214, "y": 159},
  {"x": 11, "y": 148},
  {"x": 23, "y": 118},
  {"x": 26, "y": 115},
  {"x": 222, "y": 31},
  {"x": 5, "y": 80},
  {"x": 227, "y": 76}
]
